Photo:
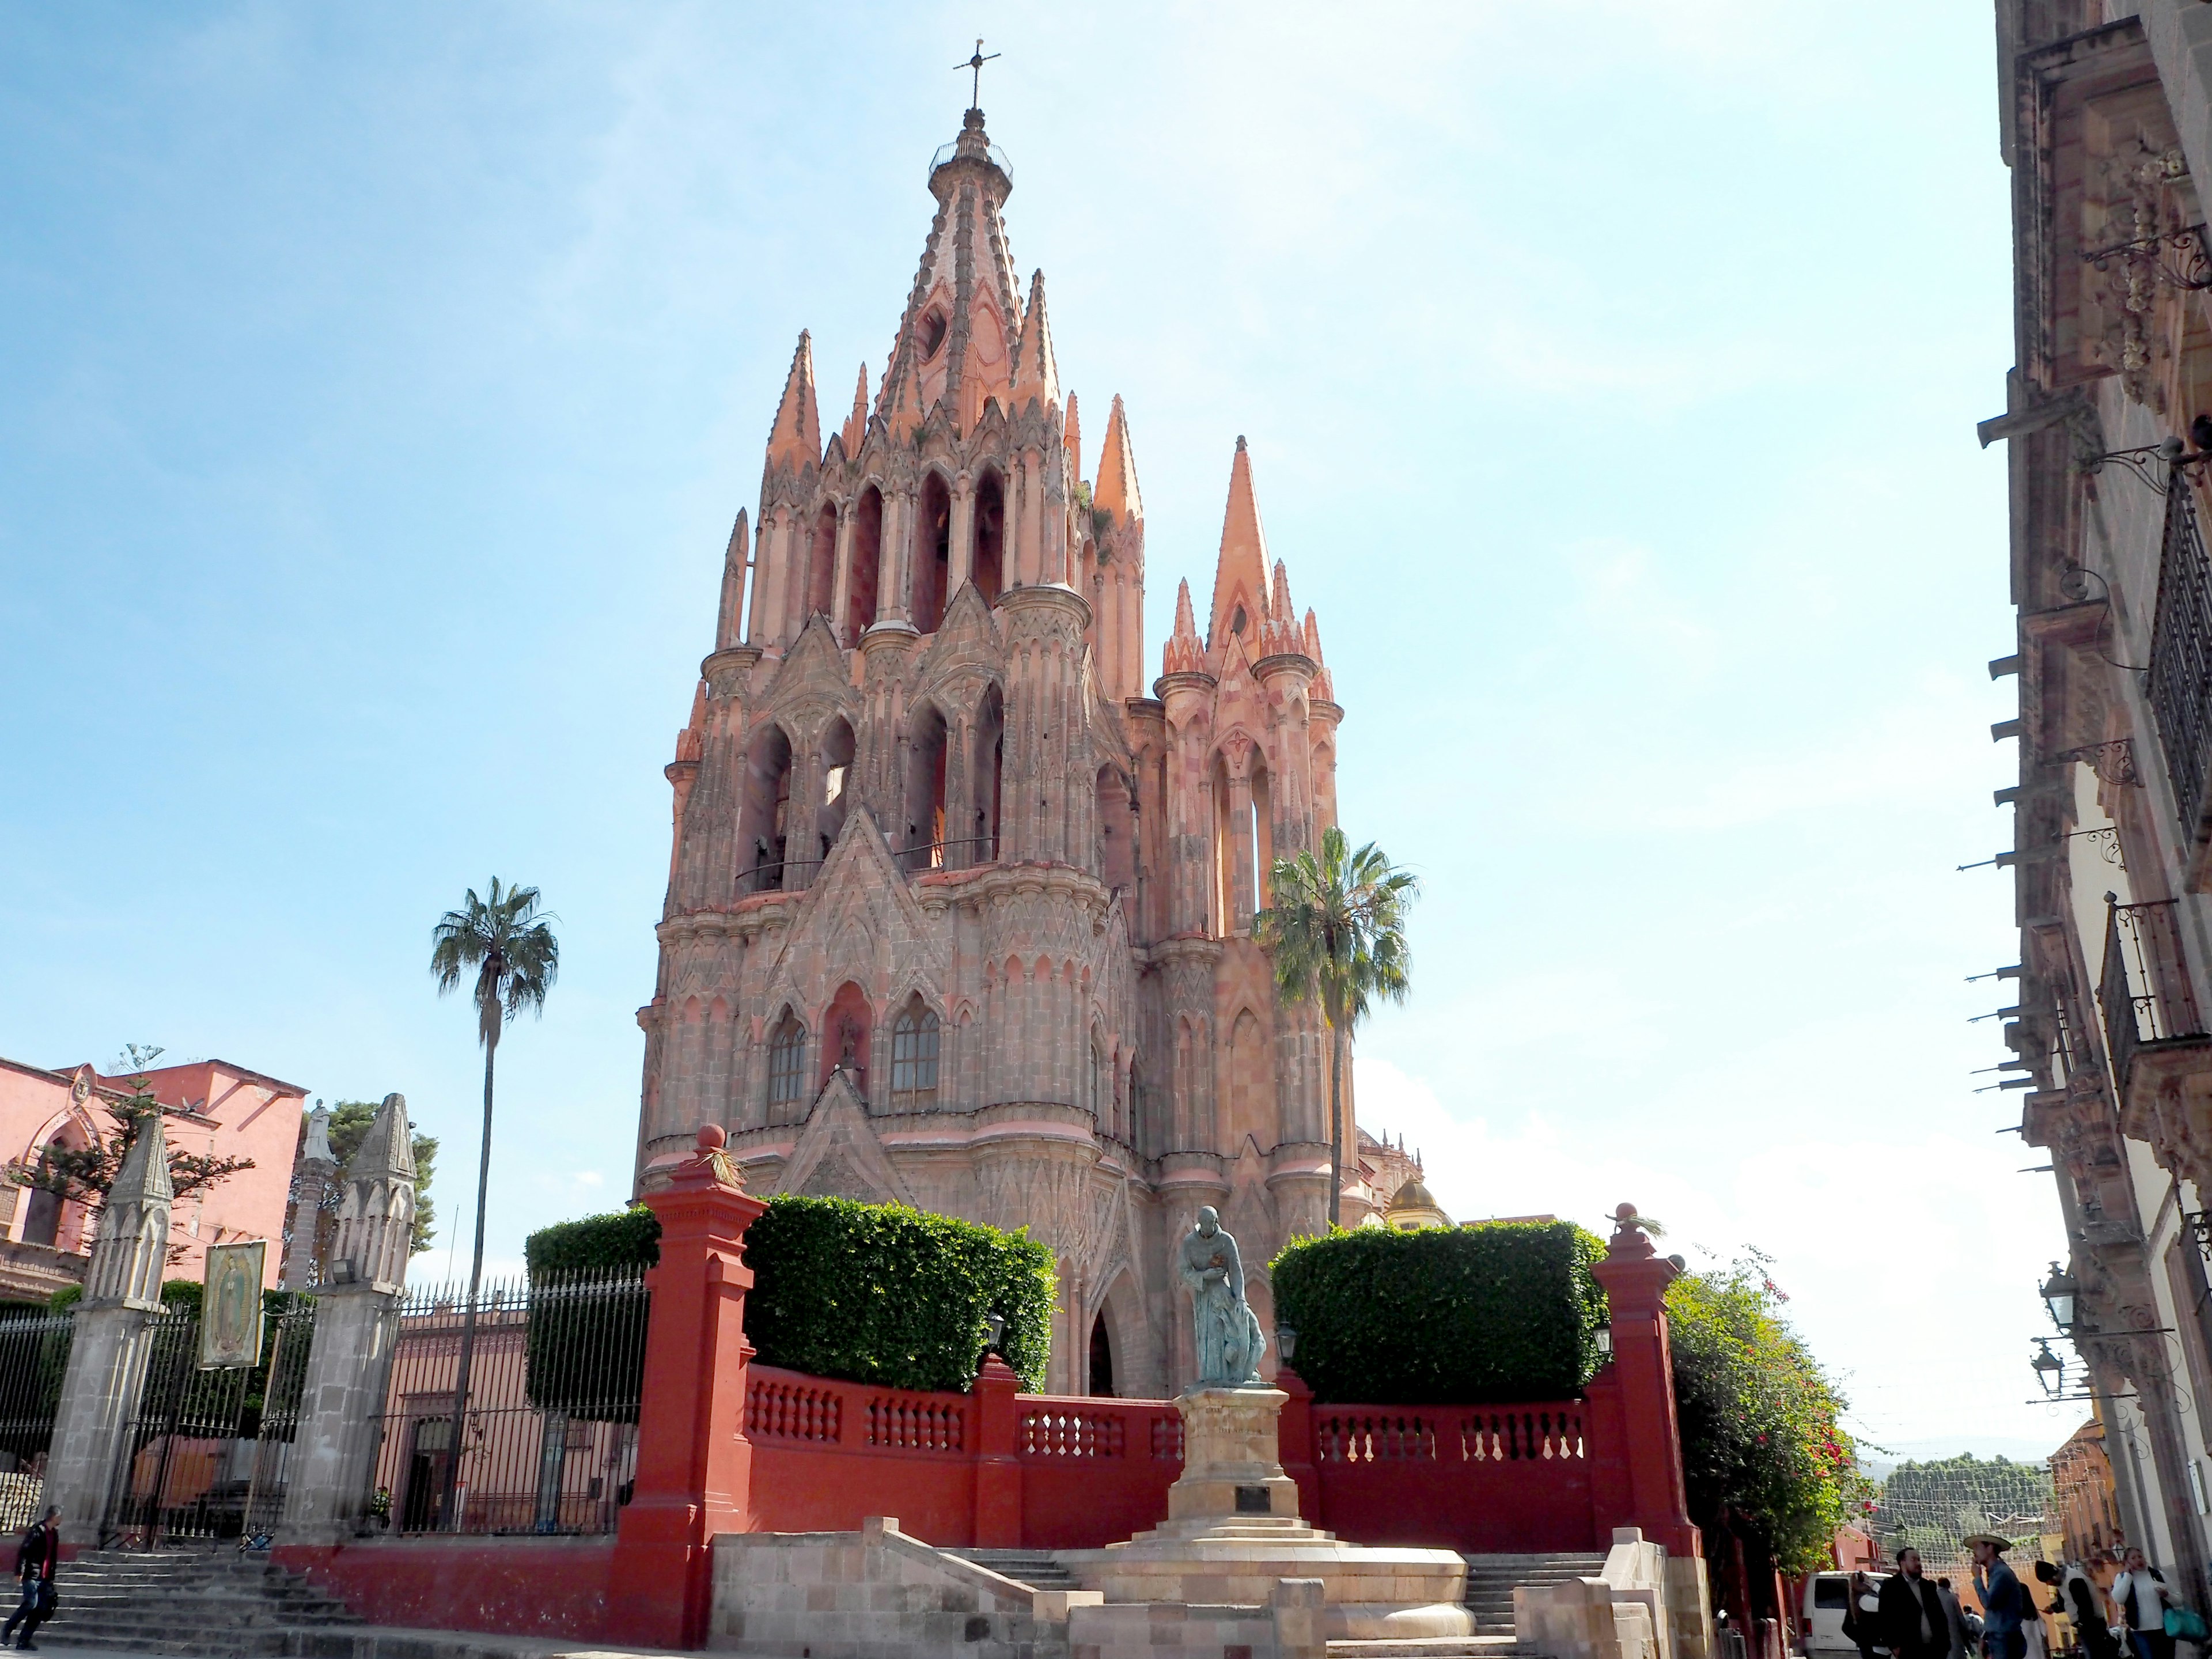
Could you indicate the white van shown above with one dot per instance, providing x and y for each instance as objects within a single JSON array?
[{"x": 1827, "y": 1595}]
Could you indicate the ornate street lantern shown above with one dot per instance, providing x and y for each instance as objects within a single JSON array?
[
  {"x": 2050, "y": 1369},
  {"x": 2059, "y": 1295}
]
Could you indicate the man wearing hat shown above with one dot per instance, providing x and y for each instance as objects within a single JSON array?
[{"x": 2004, "y": 1603}]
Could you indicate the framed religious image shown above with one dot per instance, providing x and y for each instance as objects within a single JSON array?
[{"x": 230, "y": 1305}]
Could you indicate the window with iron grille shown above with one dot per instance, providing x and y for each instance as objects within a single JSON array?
[
  {"x": 2179, "y": 682},
  {"x": 913, "y": 1055},
  {"x": 787, "y": 1062}
]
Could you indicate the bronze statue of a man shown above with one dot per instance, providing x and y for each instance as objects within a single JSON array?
[{"x": 1230, "y": 1341}]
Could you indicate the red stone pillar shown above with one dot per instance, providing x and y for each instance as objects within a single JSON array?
[
  {"x": 1635, "y": 1278},
  {"x": 997, "y": 1472},
  {"x": 1294, "y": 1443},
  {"x": 694, "y": 1462}
]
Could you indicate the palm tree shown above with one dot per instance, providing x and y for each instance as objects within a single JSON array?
[
  {"x": 516, "y": 958},
  {"x": 1335, "y": 931}
]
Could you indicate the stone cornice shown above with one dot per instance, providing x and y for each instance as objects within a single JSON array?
[
  {"x": 1285, "y": 662},
  {"x": 1183, "y": 680}
]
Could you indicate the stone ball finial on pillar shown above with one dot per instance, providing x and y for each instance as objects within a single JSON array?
[
  {"x": 711, "y": 1137},
  {"x": 1631, "y": 1238}
]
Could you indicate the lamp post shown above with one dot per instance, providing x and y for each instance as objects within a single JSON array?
[
  {"x": 2060, "y": 1294},
  {"x": 1286, "y": 1343},
  {"x": 2050, "y": 1369}
]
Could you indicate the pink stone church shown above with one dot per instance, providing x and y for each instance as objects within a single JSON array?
[{"x": 959, "y": 908}]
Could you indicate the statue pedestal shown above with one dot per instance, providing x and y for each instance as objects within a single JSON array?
[
  {"x": 1233, "y": 1531},
  {"x": 1231, "y": 1463}
]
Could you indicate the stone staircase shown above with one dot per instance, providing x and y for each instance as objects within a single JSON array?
[
  {"x": 1035, "y": 1568},
  {"x": 1491, "y": 1580},
  {"x": 214, "y": 1601}
]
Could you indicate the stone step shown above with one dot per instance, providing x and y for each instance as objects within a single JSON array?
[
  {"x": 1035, "y": 1568},
  {"x": 1432, "y": 1647}
]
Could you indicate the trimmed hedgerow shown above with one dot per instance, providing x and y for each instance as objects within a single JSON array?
[
  {"x": 868, "y": 1292},
  {"x": 584, "y": 1343},
  {"x": 881, "y": 1293},
  {"x": 1501, "y": 1311}
]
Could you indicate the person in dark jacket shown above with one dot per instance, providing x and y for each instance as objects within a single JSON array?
[
  {"x": 1914, "y": 1619},
  {"x": 37, "y": 1559},
  {"x": 1862, "y": 1616}
]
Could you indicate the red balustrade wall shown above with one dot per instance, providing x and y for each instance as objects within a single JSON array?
[
  {"x": 828, "y": 1453},
  {"x": 1477, "y": 1479},
  {"x": 1095, "y": 1470}
]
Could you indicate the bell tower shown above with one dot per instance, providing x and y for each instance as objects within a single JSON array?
[{"x": 958, "y": 914}]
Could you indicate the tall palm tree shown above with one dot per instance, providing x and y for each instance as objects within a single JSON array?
[
  {"x": 1335, "y": 931},
  {"x": 516, "y": 958}
]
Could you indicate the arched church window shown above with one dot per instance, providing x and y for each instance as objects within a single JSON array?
[
  {"x": 1236, "y": 623},
  {"x": 787, "y": 1064},
  {"x": 931, "y": 334},
  {"x": 914, "y": 1058}
]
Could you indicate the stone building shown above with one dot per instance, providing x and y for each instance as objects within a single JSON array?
[
  {"x": 959, "y": 910},
  {"x": 2106, "y": 126}
]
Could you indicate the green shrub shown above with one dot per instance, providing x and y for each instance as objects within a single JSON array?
[
  {"x": 584, "y": 1351},
  {"x": 1507, "y": 1311},
  {"x": 868, "y": 1292},
  {"x": 880, "y": 1293}
]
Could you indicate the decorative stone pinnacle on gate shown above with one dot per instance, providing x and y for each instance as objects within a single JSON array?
[
  {"x": 1628, "y": 1239},
  {"x": 133, "y": 1244},
  {"x": 376, "y": 1217}
]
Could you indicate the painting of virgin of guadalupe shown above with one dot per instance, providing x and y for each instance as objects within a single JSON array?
[{"x": 230, "y": 1305}]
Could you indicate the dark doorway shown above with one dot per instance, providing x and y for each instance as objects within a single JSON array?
[
  {"x": 1101, "y": 1359},
  {"x": 426, "y": 1474}
]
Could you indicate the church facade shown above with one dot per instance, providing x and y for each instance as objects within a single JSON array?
[{"x": 959, "y": 910}]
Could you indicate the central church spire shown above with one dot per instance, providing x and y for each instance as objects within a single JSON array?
[{"x": 956, "y": 340}]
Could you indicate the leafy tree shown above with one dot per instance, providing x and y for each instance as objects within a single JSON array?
[
  {"x": 84, "y": 1175},
  {"x": 1335, "y": 931},
  {"x": 515, "y": 957},
  {"x": 348, "y": 1128},
  {"x": 1933, "y": 1505},
  {"x": 1762, "y": 1452}
]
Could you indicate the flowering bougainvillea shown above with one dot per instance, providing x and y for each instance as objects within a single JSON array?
[{"x": 1761, "y": 1444}]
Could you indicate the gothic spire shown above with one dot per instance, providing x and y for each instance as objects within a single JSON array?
[
  {"x": 1070, "y": 437},
  {"x": 1240, "y": 575},
  {"x": 144, "y": 1176},
  {"x": 733, "y": 585},
  {"x": 388, "y": 1149},
  {"x": 1183, "y": 654},
  {"x": 1280, "y": 633},
  {"x": 796, "y": 438},
  {"x": 1116, "y": 490},
  {"x": 856, "y": 423},
  {"x": 1036, "y": 375}
]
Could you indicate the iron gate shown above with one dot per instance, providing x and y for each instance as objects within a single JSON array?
[
  {"x": 34, "y": 1349},
  {"x": 206, "y": 1455}
]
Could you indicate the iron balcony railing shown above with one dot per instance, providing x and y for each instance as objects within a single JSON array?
[
  {"x": 2180, "y": 680},
  {"x": 2145, "y": 994},
  {"x": 937, "y": 854}
]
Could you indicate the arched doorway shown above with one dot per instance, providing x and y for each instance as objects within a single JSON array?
[{"x": 1101, "y": 1359}]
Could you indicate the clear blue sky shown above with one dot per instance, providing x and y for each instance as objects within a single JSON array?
[{"x": 380, "y": 385}]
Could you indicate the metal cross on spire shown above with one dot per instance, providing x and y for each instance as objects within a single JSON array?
[{"x": 976, "y": 63}]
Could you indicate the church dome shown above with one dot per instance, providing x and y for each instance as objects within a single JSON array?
[{"x": 1412, "y": 1196}]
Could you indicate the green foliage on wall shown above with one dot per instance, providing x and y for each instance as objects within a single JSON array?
[
  {"x": 1761, "y": 1444},
  {"x": 880, "y": 1293},
  {"x": 868, "y": 1292},
  {"x": 1503, "y": 1311}
]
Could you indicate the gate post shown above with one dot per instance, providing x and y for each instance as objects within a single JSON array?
[
  {"x": 109, "y": 1346},
  {"x": 694, "y": 1462},
  {"x": 342, "y": 1401},
  {"x": 1635, "y": 1278}
]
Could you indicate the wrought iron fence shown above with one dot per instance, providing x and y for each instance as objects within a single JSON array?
[
  {"x": 2179, "y": 682},
  {"x": 34, "y": 1349},
  {"x": 769, "y": 878},
  {"x": 207, "y": 1452},
  {"x": 2144, "y": 994},
  {"x": 549, "y": 1432}
]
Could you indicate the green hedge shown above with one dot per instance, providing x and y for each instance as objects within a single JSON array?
[
  {"x": 584, "y": 1351},
  {"x": 868, "y": 1292},
  {"x": 880, "y": 1293},
  {"x": 1503, "y": 1311}
]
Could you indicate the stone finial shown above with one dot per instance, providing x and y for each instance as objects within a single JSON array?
[
  {"x": 1117, "y": 490},
  {"x": 734, "y": 558},
  {"x": 376, "y": 1216},
  {"x": 1629, "y": 1239},
  {"x": 131, "y": 1246}
]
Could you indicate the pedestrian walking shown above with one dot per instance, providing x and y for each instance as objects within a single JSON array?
[
  {"x": 1913, "y": 1616},
  {"x": 1862, "y": 1616},
  {"x": 1962, "y": 1639},
  {"x": 2004, "y": 1604},
  {"x": 37, "y": 1559},
  {"x": 2074, "y": 1596},
  {"x": 2141, "y": 1595}
]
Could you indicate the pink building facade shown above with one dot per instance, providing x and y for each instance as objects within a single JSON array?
[
  {"x": 210, "y": 1109},
  {"x": 961, "y": 895}
]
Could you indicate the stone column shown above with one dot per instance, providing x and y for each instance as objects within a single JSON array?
[
  {"x": 311, "y": 1185},
  {"x": 342, "y": 1401},
  {"x": 1635, "y": 1278},
  {"x": 961, "y": 565},
  {"x": 109, "y": 1346},
  {"x": 840, "y": 588},
  {"x": 998, "y": 1475},
  {"x": 694, "y": 1462}
]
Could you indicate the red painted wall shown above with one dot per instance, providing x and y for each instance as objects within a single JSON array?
[{"x": 509, "y": 1586}]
